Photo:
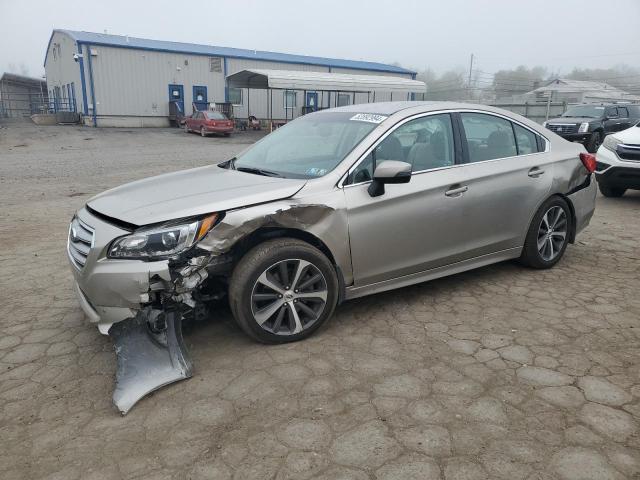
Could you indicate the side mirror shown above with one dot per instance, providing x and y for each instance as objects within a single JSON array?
[{"x": 389, "y": 171}]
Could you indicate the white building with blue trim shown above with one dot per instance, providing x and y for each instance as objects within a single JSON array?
[{"x": 117, "y": 80}]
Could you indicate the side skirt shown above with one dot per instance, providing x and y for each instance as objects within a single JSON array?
[{"x": 419, "y": 277}]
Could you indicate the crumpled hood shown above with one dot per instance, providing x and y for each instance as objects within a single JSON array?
[{"x": 190, "y": 192}]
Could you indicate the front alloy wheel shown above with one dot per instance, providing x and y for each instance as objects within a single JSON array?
[
  {"x": 289, "y": 297},
  {"x": 283, "y": 290}
]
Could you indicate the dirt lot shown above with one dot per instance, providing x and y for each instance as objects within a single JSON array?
[{"x": 500, "y": 373}]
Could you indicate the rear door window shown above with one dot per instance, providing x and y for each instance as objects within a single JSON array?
[
  {"x": 488, "y": 137},
  {"x": 526, "y": 141}
]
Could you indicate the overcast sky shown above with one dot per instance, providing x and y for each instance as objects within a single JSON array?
[{"x": 439, "y": 34}]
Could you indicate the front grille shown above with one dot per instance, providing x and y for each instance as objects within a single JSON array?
[
  {"x": 562, "y": 128},
  {"x": 80, "y": 242},
  {"x": 629, "y": 152}
]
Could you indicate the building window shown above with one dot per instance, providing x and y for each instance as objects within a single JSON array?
[
  {"x": 215, "y": 64},
  {"x": 290, "y": 99},
  {"x": 235, "y": 96},
  {"x": 344, "y": 99}
]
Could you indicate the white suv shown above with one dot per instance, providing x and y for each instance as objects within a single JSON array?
[{"x": 618, "y": 165}]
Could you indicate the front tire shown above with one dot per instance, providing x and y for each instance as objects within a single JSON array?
[
  {"x": 595, "y": 140},
  {"x": 283, "y": 290},
  {"x": 548, "y": 234},
  {"x": 611, "y": 192}
]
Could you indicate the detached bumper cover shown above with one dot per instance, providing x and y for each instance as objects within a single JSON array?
[{"x": 147, "y": 361}]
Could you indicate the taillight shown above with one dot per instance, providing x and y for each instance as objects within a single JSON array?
[{"x": 589, "y": 161}]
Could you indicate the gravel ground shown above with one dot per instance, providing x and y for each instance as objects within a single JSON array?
[{"x": 499, "y": 373}]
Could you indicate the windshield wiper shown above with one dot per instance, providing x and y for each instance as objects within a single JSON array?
[{"x": 259, "y": 171}]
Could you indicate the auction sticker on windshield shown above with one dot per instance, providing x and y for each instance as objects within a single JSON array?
[{"x": 368, "y": 117}]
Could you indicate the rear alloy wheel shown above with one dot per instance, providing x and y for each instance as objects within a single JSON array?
[
  {"x": 282, "y": 291},
  {"x": 612, "y": 192},
  {"x": 548, "y": 234}
]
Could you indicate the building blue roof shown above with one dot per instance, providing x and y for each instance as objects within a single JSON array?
[{"x": 210, "y": 50}]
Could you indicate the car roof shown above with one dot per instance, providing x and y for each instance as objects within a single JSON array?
[{"x": 389, "y": 108}]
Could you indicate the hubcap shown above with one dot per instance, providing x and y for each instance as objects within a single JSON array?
[
  {"x": 552, "y": 233},
  {"x": 289, "y": 297}
]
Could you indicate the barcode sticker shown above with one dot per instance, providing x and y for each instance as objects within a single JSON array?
[{"x": 369, "y": 117}]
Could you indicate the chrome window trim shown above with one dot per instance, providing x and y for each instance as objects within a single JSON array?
[{"x": 438, "y": 112}]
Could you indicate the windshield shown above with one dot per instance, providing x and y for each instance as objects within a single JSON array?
[
  {"x": 215, "y": 116},
  {"x": 588, "y": 111},
  {"x": 308, "y": 147}
]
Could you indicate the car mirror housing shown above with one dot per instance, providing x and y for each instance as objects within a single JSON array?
[{"x": 389, "y": 171}]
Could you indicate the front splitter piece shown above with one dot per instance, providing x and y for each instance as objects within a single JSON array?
[{"x": 147, "y": 360}]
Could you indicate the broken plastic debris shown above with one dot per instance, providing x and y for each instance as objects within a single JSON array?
[{"x": 147, "y": 360}]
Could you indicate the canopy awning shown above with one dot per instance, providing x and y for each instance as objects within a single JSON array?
[{"x": 322, "y": 81}]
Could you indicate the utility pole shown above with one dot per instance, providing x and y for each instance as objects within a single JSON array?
[{"x": 470, "y": 70}]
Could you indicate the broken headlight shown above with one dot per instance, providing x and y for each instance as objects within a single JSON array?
[{"x": 163, "y": 241}]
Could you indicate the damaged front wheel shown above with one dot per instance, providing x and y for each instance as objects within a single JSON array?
[{"x": 283, "y": 290}]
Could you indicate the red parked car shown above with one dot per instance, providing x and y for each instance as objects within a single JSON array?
[{"x": 207, "y": 122}]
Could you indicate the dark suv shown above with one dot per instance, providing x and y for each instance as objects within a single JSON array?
[{"x": 589, "y": 124}]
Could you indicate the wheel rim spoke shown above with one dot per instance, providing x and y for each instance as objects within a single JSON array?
[
  {"x": 266, "y": 313},
  {"x": 297, "y": 327},
  {"x": 267, "y": 282},
  {"x": 284, "y": 273},
  {"x": 310, "y": 281},
  {"x": 278, "y": 321},
  {"x": 308, "y": 310},
  {"x": 320, "y": 294},
  {"x": 301, "y": 267}
]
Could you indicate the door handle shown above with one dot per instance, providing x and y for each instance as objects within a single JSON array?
[
  {"x": 456, "y": 192},
  {"x": 535, "y": 172}
]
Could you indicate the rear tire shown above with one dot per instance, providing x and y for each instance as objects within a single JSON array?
[
  {"x": 611, "y": 192},
  {"x": 280, "y": 314},
  {"x": 594, "y": 142},
  {"x": 548, "y": 234},
  {"x": 202, "y": 132}
]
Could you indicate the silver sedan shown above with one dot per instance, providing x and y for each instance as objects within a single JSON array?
[{"x": 335, "y": 205}]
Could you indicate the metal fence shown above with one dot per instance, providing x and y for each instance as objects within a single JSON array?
[
  {"x": 538, "y": 112},
  {"x": 19, "y": 104}
]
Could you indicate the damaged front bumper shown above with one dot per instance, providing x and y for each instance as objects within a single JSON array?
[{"x": 122, "y": 298}]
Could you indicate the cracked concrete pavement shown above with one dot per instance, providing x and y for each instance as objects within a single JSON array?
[{"x": 499, "y": 373}]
